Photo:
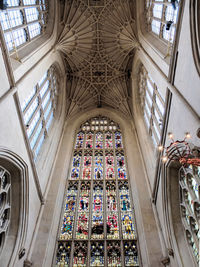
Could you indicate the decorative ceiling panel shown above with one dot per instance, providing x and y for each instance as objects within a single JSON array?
[{"x": 97, "y": 42}]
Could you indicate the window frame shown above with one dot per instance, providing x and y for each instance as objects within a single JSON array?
[
  {"x": 42, "y": 8},
  {"x": 42, "y": 125}
]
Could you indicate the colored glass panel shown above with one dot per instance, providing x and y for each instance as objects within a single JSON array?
[
  {"x": 118, "y": 140},
  {"x": 70, "y": 203},
  {"x": 112, "y": 226},
  {"x": 99, "y": 141},
  {"x": 128, "y": 226},
  {"x": 131, "y": 254},
  {"x": 108, "y": 140},
  {"x": 110, "y": 172},
  {"x": 75, "y": 173},
  {"x": 67, "y": 226},
  {"x": 114, "y": 254},
  {"x": 63, "y": 254},
  {"x": 95, "y": 202},
  {"x": 97, "y": 254},
  {"x": 121, "y": 172},
  {"x": 82, "y": 226},
  {"x": 80, "y": 254}
]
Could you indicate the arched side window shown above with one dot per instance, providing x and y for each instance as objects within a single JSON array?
[
  {"x": 39, "y": 108},
  {"x": 98, "y": 225},
  {"x": 162, "y": 17},
  {"x": 14, "y": 209},
  {"x": 22, "y": 21},
  {"x": 189, "y": 182},
  {"x": 5, "y": 183},
  {"x": 152, "y": 105}
]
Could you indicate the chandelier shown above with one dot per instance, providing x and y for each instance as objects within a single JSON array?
[{"x": 182, "y": 151}]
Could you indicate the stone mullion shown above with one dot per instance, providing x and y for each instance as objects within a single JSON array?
[
  {"x": 77, "y": 199},
  {"x": 90, "y": 201},
  {"x": 104, "y": 202}
]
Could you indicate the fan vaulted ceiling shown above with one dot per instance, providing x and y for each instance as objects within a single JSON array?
[{"x": 97, "y": 42}]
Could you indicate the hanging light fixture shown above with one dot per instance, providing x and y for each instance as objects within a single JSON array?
[{"x": 181, "y": 151}]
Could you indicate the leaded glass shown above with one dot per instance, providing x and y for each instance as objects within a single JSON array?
[
  {"x": 23, "y": 21},
  {"x": 162, "y": 18},
  {"x": 189, "y": 182},
  {"x": 98, "y": 219},
  {"x": 38, "y": 109},
  {"x": 152, "y": 105}
]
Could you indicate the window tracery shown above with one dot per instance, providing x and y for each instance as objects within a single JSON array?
[
  {"x": 189, "y": 182},
  {"x": 98, "y": 224},
  {"x": 5, "y": 183},
  {"x": 152, "y": 104},
  {"x": 22, "y": 21},
  {"x": 162, "y": 17},
  {"x": 39, "y": 108}
]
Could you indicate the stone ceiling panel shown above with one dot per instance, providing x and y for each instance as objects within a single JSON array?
[{"x": 97, "y": 41}]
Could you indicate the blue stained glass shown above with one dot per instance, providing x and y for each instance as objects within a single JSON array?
[
  {"x": 77, "y": 161},
  {"x": 70, "y": 203},
  {"x": 67, "y": 226},
  {"x": 97, "y": 254},
  {"x": 118, "y": 140},
  {"x": 75, "y": 173},
  {"x": 99, "y": 161},
  {"x": 98, "y": 173},
  {"x": 121, "y": 173}
]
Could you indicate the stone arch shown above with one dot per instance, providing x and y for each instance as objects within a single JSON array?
[
  {"x": 14, "y": 246},
  {"x": 195, "y": 31},
  {"x": 176, "y": 237}
]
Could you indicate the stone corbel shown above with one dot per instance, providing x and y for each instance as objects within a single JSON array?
[{"x": 28, "y": 263}]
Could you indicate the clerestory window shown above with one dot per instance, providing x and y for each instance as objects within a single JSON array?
[
  {"x": 98, "y": 226},
  {"x": 162, "y": 17},
  {"x": 39, "y": 108},
  {"x": 189, "y": 182},
  {"x": 152, "y": 104},
  {"x": 22, "y": 21}
]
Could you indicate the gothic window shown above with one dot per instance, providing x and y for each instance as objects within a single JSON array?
[
  {"x": 22, "y": 21},
  {"x": 162, "y": 18},
  {"x": 152, "y": 104},
  {"x": 98, "y": 222},
  {"x": 38, "y": 109},
  {"x": 189, "y": 181},
  {"x": 5, "y": 183}
]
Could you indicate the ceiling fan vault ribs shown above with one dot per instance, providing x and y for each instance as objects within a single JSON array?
[{"x": 97, "y": 41}]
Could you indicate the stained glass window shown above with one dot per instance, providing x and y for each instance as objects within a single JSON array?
[
  {"x": 189, "y": 181},
  {"x": 153, "y": 105},
  {"x": 22, "y": 21},
  {"x": 98, "y": 222},
  {"x": 38, "y": 110},
  {"x": 162, "y": 18}
]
